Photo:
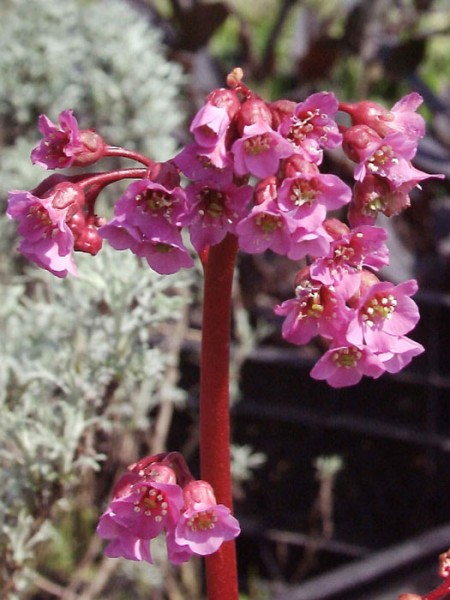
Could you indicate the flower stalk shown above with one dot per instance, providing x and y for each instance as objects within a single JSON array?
[{"x": 221, "y": 571}]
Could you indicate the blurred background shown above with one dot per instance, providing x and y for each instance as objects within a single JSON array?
[{"x": 340, "y": 493}]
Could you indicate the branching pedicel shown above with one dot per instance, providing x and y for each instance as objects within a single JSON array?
[{"x": 255, "y": 185}]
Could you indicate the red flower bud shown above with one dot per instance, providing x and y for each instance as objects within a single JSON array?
[
  {"x": 281, "y": 109},
  {"x": 369, "y": 113},
  {"x": 253, "y": 111},
  {"x": 223, "y": 98},
  {"x": 356, "y": 139}
]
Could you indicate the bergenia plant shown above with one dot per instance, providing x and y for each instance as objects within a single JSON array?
[{"x": 251, "y": 180}]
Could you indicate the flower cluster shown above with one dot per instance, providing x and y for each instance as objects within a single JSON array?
[
  {"x": 254, "y": 171},
  {"x": 158, "y": 494}
]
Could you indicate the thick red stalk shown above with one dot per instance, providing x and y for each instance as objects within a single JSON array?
[{"x": 221, "y": 569}]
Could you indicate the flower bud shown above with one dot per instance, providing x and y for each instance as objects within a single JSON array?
[
  {"x": 266, "y": 190},
  {"x": 94, "y": 149},
  {"x": 223, "y": 98},
  {"x": 198, "y": 491},
  {"x": 296, "y": 165},
  {"x": 335, "y": 228},
  {"x": 88, "y": 240},
  {"x": 356, "y": 140},
  {"x": 253, "y": 111},
  {"x": 281, "y": 109},
  {"x": 369, "y": 113}
]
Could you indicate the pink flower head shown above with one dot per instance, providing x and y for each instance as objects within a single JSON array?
[
  {"x": 316, "y": 310},
  {"x": 204, "y": 525},
  {"x": 214, "y": 211},
  {"x": 47, "y": 238},
  {"x": 265, "y": 227},
  {"x": 209, "y": 125},
  {"x": 401, "y": 118},
  {"x": 345, "y": 365},
  {"x": 312, "y": 127},
  {"x": 259, "y": 151},
  {"x": 141, "y": 508},
  {"x": 66, "y": 146},
  {"x": 383, "y": 312}
]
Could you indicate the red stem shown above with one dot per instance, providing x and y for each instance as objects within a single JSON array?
[
  {"x": 221, "y": 570},
  {"x": 438, "y": 593}
]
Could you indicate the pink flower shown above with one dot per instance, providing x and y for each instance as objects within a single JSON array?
[
  {"x": 400, "y": 354},
  {"x": 265, "y": 227},
  {"x": 163, "y": 248},
  {"x": 209, "y": 125},
  {"x": 204, "y": 525},
  {"x": 259, "y": 151},
  {"x": 141, "y": 508},
  {"x": 200, "y": 164},
  {"x": 349, "y": 253},
  {"x": 383, "y": 312},
  {"x": 47, "y": 238},
  {"x": 345, "y": 365},
  {"x": 214, "y": 211},
  {"x": 316, "y": 310},
  {"x": 375, "y": 194},
  {"x": 307, "y": 198},
  {"x": 312, "y": 127},
  {"x": 122, "y": 544},
  {"x": 66, "y": 146}
]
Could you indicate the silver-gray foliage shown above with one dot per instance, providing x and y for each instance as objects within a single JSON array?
[{"x": 77, "y": 357}]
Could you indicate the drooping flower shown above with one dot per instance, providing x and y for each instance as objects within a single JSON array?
[
  {"x": 65, "y": 145},
  {"x": 259, "y": 151},
  {"x": 43, "y": 222},
  {"x": 141, "y": 508},
  {"x": 204, "y": 525}
]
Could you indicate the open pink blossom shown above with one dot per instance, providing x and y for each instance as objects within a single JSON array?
[
  {"x": 316, "y": 310},
  {"x": 209, "y": 125},
  {"x": 265, "y": 227},
  {"x": 307, "y": 198},
  {"x": 204, "y": 525},
  {"x": 213, "y": 211},
  {"x": 361, "y": 247},
  {"x": 259, "y": 151},
  {"x": 204, "y": 164},
  {"x": 122, "y": 544},
  {"x": 142, "y": 508},
  {"x": 47, "y": 238},
  {"x": 65, "y": 145},
  {"x": 345, "y": 365},
  {"x": 383, "y": 312},
  {"x": 312, "y": 127}
]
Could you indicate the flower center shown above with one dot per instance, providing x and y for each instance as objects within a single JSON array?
[
  {"x": 155, "y": 201},
  {"x": 152, "y": 503},
  {"x": 212, "y": 202},
  {"x": 163, "y": 248},
  {"x": 378, "y": 309},
  {"x": 381, "y": 159},
  {"x": 202, "y": 521},
  {"x": 306, "y": 124},
  {"x": 302, "y": 192},
  {"x": 347, "y": 357},
  {"x": 257, "y": 144},
  {"x": 41, "y": 219},
  {"x": 268, "y": 223}
]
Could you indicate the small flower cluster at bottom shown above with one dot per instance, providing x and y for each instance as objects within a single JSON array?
[{"x": 158, "y": 494}]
